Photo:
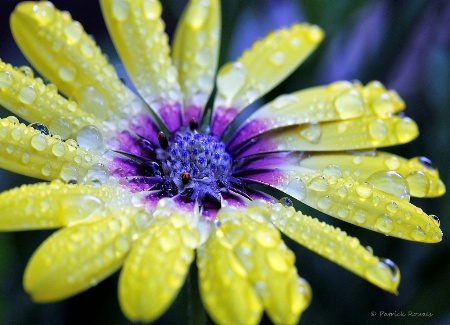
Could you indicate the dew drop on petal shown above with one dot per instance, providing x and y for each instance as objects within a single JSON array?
[
  {"x": 27, "y": 94},
  {"x": 382, "y": 105},
  {"x": 392, "y": 163},
  {"x": 283, "y": 101},
  {"x": 203, "y": 57},
  {"x": 405, "y": 130},
  {"x": 44, "y": 12},
  {"x": 67, "y": 73},
  {"x": 92, "y": 101},
  {"x": 324, "y": 203},
  {"x": 120, "y": 9},
  {"x": 277, "y": 58},
  {"x": 58, "y": 149},
  {"x": 349, "y": 104},
  {"x": 419, "y": 184},
  {"x": 364, "y": 190},
  {"x": 152, "y": 9},
  {"x": 418, "y": 234},
  {"x": 285, "y": 201},
  {"x": 230, "y": 79},
  {"x": 378, "y": 130},
  {"x": 384, "y": 274},
  {"x": 332, "y": 170},
  {"x": 385, "y": 223},
  {"x": 5, "y": 80},
  {"x": 315, "y": 34},
  {"x": 312, "y": 133},
  {"x": 360, "y": 216},
  {"x": 60, "y": 126},
  {"x": 319, "y": 184},
  {"x": 343, "y": 213},
  {"x": 39, "y": 142},
  {"x": 296, "y": 188},
  {"x": 73, "y": 32},
  {"x": 390, "y": 182},
  {"x": 197, "y": 14},
  {"x": 435, "y": 219},
  {"x": 89, "y": 137}
]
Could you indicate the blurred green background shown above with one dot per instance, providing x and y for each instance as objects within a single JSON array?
[{"x": 404, "y": 44}]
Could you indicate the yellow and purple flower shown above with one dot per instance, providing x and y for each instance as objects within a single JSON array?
[{"x": 144, "y": 181}]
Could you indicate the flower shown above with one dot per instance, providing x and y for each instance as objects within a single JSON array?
[{"x": 146, "y": 189}]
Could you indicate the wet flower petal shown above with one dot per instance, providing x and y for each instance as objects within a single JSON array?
[
  {"x": 78, "y": 257},
  {"x": 259, "y": 69},
  {"x": 27, "y": 151},
  {"x": 335, "y": 245},
  {"x": 195, "y": 54},
  {"x": 254, "y": 255},
  {"x": 137, "y": 30},
  {"x": 338, "y": 101},
  {"x": 157, "y": 264},
  {"x": 363, "y": 133}
]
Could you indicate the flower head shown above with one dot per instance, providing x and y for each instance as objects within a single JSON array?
[{"x": 143, "y": 181}]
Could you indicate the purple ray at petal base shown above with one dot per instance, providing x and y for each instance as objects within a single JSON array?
[
  {"x": 143, "y": 125},
  {"x": 255, "y": 146},
  {"x": 221, "y": 119},
  {"x": 171, "y": 115},
  {"x": 271, "y": 176},
  {"x": 246, "y": 132},
  {"x": 192, "y": 112}
]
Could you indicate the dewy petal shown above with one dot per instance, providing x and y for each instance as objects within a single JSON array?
[
  {"x": 259, "y": 69},
  {"x": 138, "y": 34},
  {"x": 363, "y": 133},
  {"x": 157, "y": 264},
  {"x": 422, "y": 177},
  {"x": 56, "y": 204},
  {"x": 335, "y": 245},
  {"x": 380, "y": 204},
  {"x": 78, "y": 257},
  {"x": 245, "y": 255},
  {"x": 338, "y": 101},
  {"x": 34, "y": 101},
  {"x": 195, "y": 54},
  {"x": 27, "y": 151},
  {"x": 61, "y": 50}
]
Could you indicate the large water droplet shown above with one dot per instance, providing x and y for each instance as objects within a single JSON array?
[
  {"x": 5, "y": 80},
  {"x": 418, "y": 234},
  {"x": 44, "y": 12},
  {"x": 73, "y": 32},
  {"x": 319, "y": 184},
  {"x": 406, "y": 130},
  {"x": 435, "y": 219},
  {"x": 360, "y": 216},
  {"x": 67, "y": 73},
  {"x": 90, "y": 137},
  {"x": 390, "y": 182},
  {"x": 120, "y": 9},
  {"x": 378, "y": 130},
  {"x": 283, "y": 101},
  {"x": 364, "y": 190},
  {"x": 426, "y": 162},
  {"x": 382, "y": 105},
  {"x": 324, "y": 203},
  {"x": 312, "y": 132},
  {"x": 27, "y": 94},
  {"x": 419, "y": 184},
  {"x": 384, "y": 274},
  {"x": 60, "y": 126},
  {"x": 385, "y": 224},
  {"x": 296, "y": 188},
  {"x": 39, "y": 142},
  {"x": 231, "y": 78},
  {"x": 349, "y": 104},
  {"x": 92, "y": 101}
]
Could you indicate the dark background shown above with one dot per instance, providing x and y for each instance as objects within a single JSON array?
[{"x": 404, "y": 44}]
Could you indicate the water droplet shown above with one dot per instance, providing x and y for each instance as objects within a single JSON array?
[
  {"x": 426, "y": 163},
  {"x": 283, "y": 101},
  {"x": 152, "y": 9},
  {"x": 276, "y": 261},
  {"x": 435, "y": 219},
  {"x": 58, "y": 149},
  {"x": 342, "y": 191},
  {"x": 60, "y": 126},
  {"x": 384, "y": 274},
  {"x": 67, "y": 73},
  {"x": 390, "y": 182},
  {"x": 97, "y": 174},
  {"x": 231, "y": 78},
  {"x": 285, "y": 201},
  {"x": 197, "y": 14},
  {"x": 383, "y": 106},
  {"x": 312, "y": 133},
  {"x": 39, "y": 142},
  {"x": 418, "y": 234},
  {"x": 406, "y": 130},
  {"x": 385, "y": 224},
  {"x": 378, "y": 130},
  {"x": 360, "y": 216},
  {"x": 5, "y": 80},
  {"x": 315, "y": 34},
  {"x": 120, "y": 9},
  {"x": 364, "y": 190},
  {"x": 277, "y": 58},
  {"x": 68, "y": 172},
  {"x": 16, "y": 134},
  {"x": 27, "y": 94},
  {"x": 40, "y": 127},
  {"x": 324, "y": 203},
  {"x": 419, "y": 184},
  {"x": 46, "y": 170},
  {"x": 73, "y": 32},
  {"x": 349, "y": 104},
  {"x": 343, "y": 213},
  {"x": 319, "y": 184},
  {"x": 203, "y": 57},
  {"x": 26, "y": 158},
  {"x": 392, "y": 163},
  {"x": 332, "y": 170},
  {"x": 89, "y": 137},
  {"x": 92, "y": 101},
  {"x": 392, "y": 207},
  {"x": 44, "y": 12},
  {"x": 296, "y": 188}
]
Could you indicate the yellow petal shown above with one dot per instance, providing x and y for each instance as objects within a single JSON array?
[
  {"x": 61, "y": 50},
  {"x": 157, "y": 264},
  {"x": 196, "y": 52},
  {"x": 138, "y": 34},
  {"x": 34, "y": 101},
  {"x": 363, "y": 133},
  {"x": 380, "y": 204},
  {"x": 335, "y": 245},
  {"x": 340, "y": 100},
  {"x": 259, "y": 69},
  {"x": 55, "y": 204},
  {"x": 78, "y": 257},
  {"x": 422, "y": 177},
  {"x": 27, "y": 151}
]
